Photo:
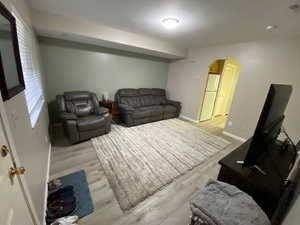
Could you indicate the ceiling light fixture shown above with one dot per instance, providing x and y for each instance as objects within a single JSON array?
[
  {"x": 170, "y": 23},
  {"x": 295, "y": 7},
  {"x": 271, "y": 27}
]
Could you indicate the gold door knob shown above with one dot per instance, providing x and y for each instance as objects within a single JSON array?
[
  {"x": 16, "y": 171},
  {"x": 4, "y": 151}
]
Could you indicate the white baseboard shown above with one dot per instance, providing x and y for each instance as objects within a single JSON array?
[
  {"x": 46, "y": 183},
  {"x": 234, "y": 136},
  {"x": 188, "y": 118}
]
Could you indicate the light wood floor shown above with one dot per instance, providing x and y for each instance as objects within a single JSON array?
[
  {"x": 215, "y": 125},
  {"x": 170, "y": 206}
]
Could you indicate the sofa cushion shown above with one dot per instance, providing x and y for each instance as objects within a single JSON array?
[
  {"x": 159, "y": 100},
  {"x": 131, "y": 101},
  {"x": 170, "y": 109},
  {"x": 76, "y": 95},
  {"x": 154, "y": 110},
  {"x": 159, "y": 96},
  {"x": 146, "y": 100},
  {"x": 91, "y": 122},
  {"x": 128, "y": 92},
  {"x": 80, "y": 107},
  {"x": 145, "y": 91},
  {"x": 146, "y": 96},
  {"x": 141, "y": 113}
]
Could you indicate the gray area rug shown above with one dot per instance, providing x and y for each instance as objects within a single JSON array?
[{"x": 140, "y": 160}]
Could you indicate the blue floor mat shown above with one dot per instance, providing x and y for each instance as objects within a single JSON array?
[{"x": 82, "y": 192}]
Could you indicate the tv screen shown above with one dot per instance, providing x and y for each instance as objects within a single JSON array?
[{"x": 269, "y": 123}]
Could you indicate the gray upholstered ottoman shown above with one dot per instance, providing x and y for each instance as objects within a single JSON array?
[{"x": 223, "y": 204}]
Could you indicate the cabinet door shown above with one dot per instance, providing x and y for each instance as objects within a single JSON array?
[
  {"x": 212, "y": 82},
  {"x": 208, "y": 106}
]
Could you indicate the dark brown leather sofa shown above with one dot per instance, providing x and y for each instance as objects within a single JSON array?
[{"x": 144, "y": 105}]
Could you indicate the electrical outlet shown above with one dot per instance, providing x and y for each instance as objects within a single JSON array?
[{"x": 46, "y": 139}]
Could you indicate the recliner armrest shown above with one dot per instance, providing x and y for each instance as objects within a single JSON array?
[
  {"x": 60, "y": 103},
  {"x": 67, "y": 116},
  {"x": 126, "y": 108},
  {"x": 72, "y": 131},
  {"x": 101, "y": 110}
]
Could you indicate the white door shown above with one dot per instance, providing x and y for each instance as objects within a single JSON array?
[{"x": 13, "y": 207}]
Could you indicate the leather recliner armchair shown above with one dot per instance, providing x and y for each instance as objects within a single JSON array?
[{"x": 81, "y": 115}]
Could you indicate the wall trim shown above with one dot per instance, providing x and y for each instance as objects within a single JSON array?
[
  {"x": 234, "y": 136},
  {"x": 46, "y": 183},
  {"x": 188, "y": 118}
]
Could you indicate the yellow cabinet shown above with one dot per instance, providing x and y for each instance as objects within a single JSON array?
[{"x": 217, "y": 66}]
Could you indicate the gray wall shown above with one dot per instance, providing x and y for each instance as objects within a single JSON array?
[
  {"x": 72, "y": 66},
  {"x": 262, "y": 63}
]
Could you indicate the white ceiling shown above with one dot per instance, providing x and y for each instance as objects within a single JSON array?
[{"x": 202, "y": 22}]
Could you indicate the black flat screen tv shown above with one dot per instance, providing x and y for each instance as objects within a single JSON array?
[{"x": 269, "y": 123}]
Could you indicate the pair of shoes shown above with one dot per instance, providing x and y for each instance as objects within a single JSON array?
[
  {"x": 67, "y": 220},
  {"x": 61, "y": 203},
  {"x": 64, "y": 195}
]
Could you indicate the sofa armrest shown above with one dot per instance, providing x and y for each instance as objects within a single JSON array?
[
  {"x": 107, "y": 118},
  {"x": 101, "y": 110},
  {"x": 67, "y": 116},
  {"x": 125, "y": 108},
  {"x": 174, "y": 103}
]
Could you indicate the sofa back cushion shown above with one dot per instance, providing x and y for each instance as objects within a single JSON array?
[
  {"x": 146, "y": 97},
  {"x": 128, "y": 96},
  {"x": 133, "y": 101},
  {"x": 128, "y": 92},
  {"x": 81, "y": 103},
  {"x": 159, "y": 96}
]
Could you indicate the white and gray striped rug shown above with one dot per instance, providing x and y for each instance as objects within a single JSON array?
[{"x": 140, "y": 160}]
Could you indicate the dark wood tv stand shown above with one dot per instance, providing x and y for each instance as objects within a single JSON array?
[{"x": 267, "y": 189}]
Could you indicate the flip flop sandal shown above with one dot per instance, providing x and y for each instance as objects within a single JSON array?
[
  {"x": 68, "y": 220},
  {"x": 56, "y": 203},
  {"x": 64, "y": 210},
  {"x": 60, "y": 196},
  {"x": 59, "y": 202},
  {"x": 61, "y": 193}
]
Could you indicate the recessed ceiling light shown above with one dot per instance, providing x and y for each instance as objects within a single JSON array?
[
  {"x": 170, "y": 23},
  {"x": 271, "y": 27}
]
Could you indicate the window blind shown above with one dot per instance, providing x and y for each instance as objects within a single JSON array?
[{"x": 31, "y": 69}]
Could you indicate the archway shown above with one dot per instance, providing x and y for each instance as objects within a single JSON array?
[{"x": 220, "y": 87}]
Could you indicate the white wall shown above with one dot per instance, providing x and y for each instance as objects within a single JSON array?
[
  {"x": 30, "y": 143},
  {"x": 262, "y": 63}
]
